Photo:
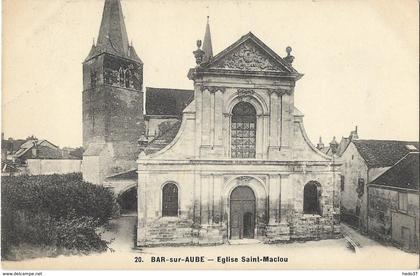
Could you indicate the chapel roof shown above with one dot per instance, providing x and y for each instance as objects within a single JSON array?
[
  {"x": 383, "y": 153},
  {"x": 404, "y": 174},
  {"x": 167, "y": 101}
]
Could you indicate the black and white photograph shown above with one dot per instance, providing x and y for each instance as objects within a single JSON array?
[{"x": 211, "y": 135}]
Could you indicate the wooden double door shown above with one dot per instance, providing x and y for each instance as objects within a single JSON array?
[{"x": 242, "y": 213}]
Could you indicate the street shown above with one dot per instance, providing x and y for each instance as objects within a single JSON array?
[{"x": 323, "y": 254}]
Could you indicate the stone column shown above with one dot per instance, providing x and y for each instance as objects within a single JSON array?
[
  {"x": 279, "y": 120},
  {"x": 274, "y": 104},
  {"x": 141, "y": 209},
  {"x": 198, "y": 107},
  {"x": 259, "y": 136},
  {"x": 204, "y": 199},
  {"x": 212, "y": 118},
  {"x": 274, "y": 199},
  {"x": 286, "y": 196},
  {"x": 206, "y": 117},
  {"x": 226, "y": 133},
  {"x": 287, "y": 117},
  {"x": 218, "y": 114},
  {"x": 217, "y": 197}
]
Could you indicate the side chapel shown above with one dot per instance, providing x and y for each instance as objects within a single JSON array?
[{"x": 227, "y": 160}]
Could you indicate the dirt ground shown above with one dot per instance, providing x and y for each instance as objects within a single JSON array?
[{"x": 324, "y": 254}]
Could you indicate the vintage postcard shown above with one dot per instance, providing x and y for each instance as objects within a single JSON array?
[{"x": 145, "y": 134}]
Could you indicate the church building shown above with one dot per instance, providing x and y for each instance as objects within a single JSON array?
[{"x": 227, "y": 160}]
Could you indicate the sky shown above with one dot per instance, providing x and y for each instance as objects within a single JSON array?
[{"x": 359, "y": 59}]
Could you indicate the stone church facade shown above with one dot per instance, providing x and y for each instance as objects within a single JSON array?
[{"x": 235, "y": 163}]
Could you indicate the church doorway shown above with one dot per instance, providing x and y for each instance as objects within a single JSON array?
[
  {"x": 242, "y": 213},
  {"x": 128, "y": 201}
]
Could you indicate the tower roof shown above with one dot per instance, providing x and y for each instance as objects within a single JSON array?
[
  {"x": 207, "y": 46},
  {"x": 112, "y": 38}
]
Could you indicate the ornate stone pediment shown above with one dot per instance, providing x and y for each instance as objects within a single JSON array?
[{"x": 248, "y": 57}]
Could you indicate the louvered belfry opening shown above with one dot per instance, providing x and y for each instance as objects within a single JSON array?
[{"x": 244, "y": 129}]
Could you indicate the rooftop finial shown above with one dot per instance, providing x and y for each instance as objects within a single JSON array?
[
  {"x": 93, "y": 41},
  {"x": 320, "y": 145},
  {"x": 289, "y": 58},
  {"x": 198, "y": 54}
]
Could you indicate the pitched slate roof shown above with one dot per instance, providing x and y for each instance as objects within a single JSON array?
[
  {"x": 382, "y": 153},
  {"x": 45, "y": 151},
  {"x": 404, "y": 174},
  {"x": 167, "y": 101}
]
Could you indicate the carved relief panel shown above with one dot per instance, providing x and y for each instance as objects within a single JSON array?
[{"x": 248, "y": 57}]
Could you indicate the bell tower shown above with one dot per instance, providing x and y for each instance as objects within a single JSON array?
[{"x": 112, "y": 99}]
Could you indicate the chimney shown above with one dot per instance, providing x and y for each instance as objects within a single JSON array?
[{"x": 354, "y": 135}]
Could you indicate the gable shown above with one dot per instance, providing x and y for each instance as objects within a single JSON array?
[
  {"x": 250, "y": 54},
  {"x": 250, "y": 57}
]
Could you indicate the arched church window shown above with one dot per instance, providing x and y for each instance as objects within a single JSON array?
[
  {"x": 243, "y": 130},
  {"x": 170, "y": 200},
  {"x": 311, "y": 198}
]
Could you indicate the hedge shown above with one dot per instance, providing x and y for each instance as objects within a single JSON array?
[{"x": 55, "y": 210}]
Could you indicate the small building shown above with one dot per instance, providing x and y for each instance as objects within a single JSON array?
[
  {"x": 37, "y": 157},
  {"x": 393, "y": 213},
  {"x": 362, "y": 162},
  {"x": 36, "y": 149}
]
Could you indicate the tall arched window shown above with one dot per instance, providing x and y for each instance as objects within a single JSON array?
[
  {"x": 170, "y": 200},
  {"x": 311, "y": 196},
  {"x": 243, "y": 130}
]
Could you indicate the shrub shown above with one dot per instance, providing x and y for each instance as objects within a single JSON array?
[
  {"x": 58, "y": 196},
  {"x": 61, "y": 211}
]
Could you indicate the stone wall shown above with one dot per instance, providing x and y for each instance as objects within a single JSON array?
[
  {"x": 53, "y": 166},
  {"x": 315, "y": 226},
  {"x": 204, "y": 204},
  {"x": 386, "y": 219},
  {"x": 112, "y": 117},
  {"x": 354, "y": 204}
]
